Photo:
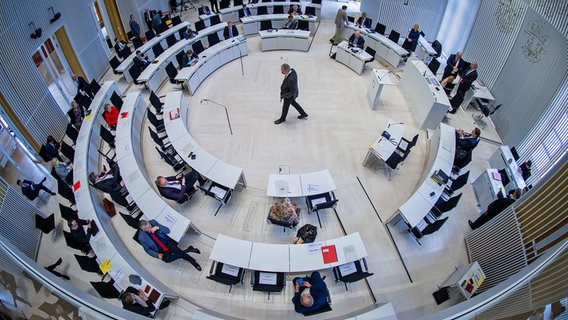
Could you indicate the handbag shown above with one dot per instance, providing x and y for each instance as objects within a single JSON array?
[
  {"x": 306, "y": 234},
  {"x": 109, "y": 207}
]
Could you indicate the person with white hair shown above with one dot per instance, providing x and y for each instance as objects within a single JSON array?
[{"x": 310, "y": 293}]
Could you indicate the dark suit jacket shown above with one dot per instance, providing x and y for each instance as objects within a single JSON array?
[
  {"x": 289, "y": 87},
  {"x": 466, "y": 143},
  {"x": 205, "y": 10},
  {"x": 318, "y": 292},
  {"x": 119, "y": 52},
  {"x": 82, "y": 84},
  {"x": 186, "y": 62},
  {"x": 52, "y": 150},
  {"x": 140, "y": 63},
  {"x": 360, "y": 43},
  {"x": 242, "y": 12},
  {"x": 173, "y": 193},
  {"x": 134, "y": 27},
  {"x": 136, "y": 308},
  {"x": 366, "y": 23},
  {"x": 28, "y": 191},
  {"x": 146, "y": 241},
  {"x": 80, "y": 235},
  {"x": 467, "y": 80},
  {"x": 71, "y": 115},
  {"x": 450, "y": 65},
  {"x": 291, "y": 25},
  {"x": 226, "y": 32},
  {"x": 148, "y": 19}
]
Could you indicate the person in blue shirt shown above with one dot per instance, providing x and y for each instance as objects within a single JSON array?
[
  {"x": 311, "y": 295},
  {"x": 189, "y": 59},
  {"x": 467, "y": 141},
  {"x": 188, "y": 33}
]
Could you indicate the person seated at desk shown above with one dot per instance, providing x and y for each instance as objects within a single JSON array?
[
  {"x": 412, "y": 40},
  {"x": 156, "y": 242},
  {"x": 111, "y": 183},
  {"x": 295, "y": 10},
  {"x": 78, "y": 232},
  {"x": 495, "y": 208},
  {"x": 363, "y": 21},
  {"x": 189, "y": 59},
  {"x": 179, "y": 187},
  {"x": 140, "y": 60},
  {"x": 285, "y": 211},
  {"x": 525, "y": 169},
  {"x": 230, "y": 31},
  {"x": 188, "y": 33},
  {"x": 311, "y": 295},
  {"x": 31, "y": 190},
  {"x": 467, "y": 141},
  {"x": 110, "y": 114},
  {"x": 63, "y": 169},
  {"x": 135, "y": 300},
  {"x": 448, "y": 84},
  {"x": 82, "y": 86},
  {"x": 52, "y": 148},
  {"x": 204, "y": 9},
  {"x": 244, "y": 12},
  {"x": 356, "y": 40},
  {"x": 291, "y": 23},
  {"x": 121, "y": 49},
  {"x": 454, "y": 65},
  {"x": 76, "y": 114}
]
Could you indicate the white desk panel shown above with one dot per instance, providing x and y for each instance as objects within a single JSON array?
[
  {"x": 317, "y": 183},
  {"x": 284, "y": 185},
  {"x": 348, "y": 248},
  {"x": 270, "y": 257},
  {"x": 232, "y": 251},
  {"x": 307, "y": 257}
]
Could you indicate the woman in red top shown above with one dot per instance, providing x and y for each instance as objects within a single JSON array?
[{"x": 111, "y": 115}]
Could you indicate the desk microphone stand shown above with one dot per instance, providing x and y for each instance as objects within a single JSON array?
[{"x": 226, "y": 112}]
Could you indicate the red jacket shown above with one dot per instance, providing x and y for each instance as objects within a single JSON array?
[{"x": 111, "y": 117}]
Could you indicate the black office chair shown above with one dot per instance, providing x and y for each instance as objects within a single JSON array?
[
  {"x": 172, "y": 74},
  {"x": 219, "y": 272},
  {"x": 72, "y": 133},
  {"x": 85, "y": 101},
  {"x": 394, "y": 36},
  {"x": 316, "y": 1},
  {"x": 351, "y": 19},
  {"x": 156, "y": 103},
  {"x": 116, "y": 100},
  {"x": 176, "y": 164},
  {"x": 157, "y": 49},
  {"x": 162, "y": 27},
  {"x": 223, "y": 198},
  {"x": 199, "y": 25},
  {"x": 197, "y": 47},
  {"x": 434, "y": 65},
  {"x": 67, "y": 151},
  {"x": 223, "y": 4},
  {"x": 437, "y": 46},
  {"x": 166, "y": 147},
  {"x": 94, "y": 86},
  {"x": 176, "y": 20},
  {"x": 311, "y": 11},
  {"x": 114, "y": 63},
  {"x": 237, "y": 3},
  {"x": 267, "y": 287},
  {"x": 405, "y": 145},
  {"x": 278, "y": 10},
  {"x": 457, "y": 184},
  {"x": 171, "y": 40},
  {"x": 135, "y": 72},
  {"x": 461, "y": 163},
  {"x": 303, "y": 25},
  {"x": 137, "y": 42},
  {"x": 87, "y": 264},
  {"x": 130, "y": 220},
  {"x": 265, "y": 25},
  {"x": 261, "y": 11},
  {"x": 150, "y": 34},
  {"x": 329, "y": 201},
  {"x": 442, "y": 206},
  {"x": 216, "y": 19},
  {"x": 106, "y": 289},
  {"x": 71, "y": 242},
  {"x": 156, "y": 123},
  {"x": 67, "y": 213},
  {"x": 351, "y": 272},
  {"x": 371, "y": 52},
  {"x": 65, "y": 191},
  {"x": 486, "y": 111},
  {"x": 393, "y": 161},
  {"x": 380, "y": 28},
  {"x": 431, "y": 228},
  {"x": 213, "y": 39},
  {"x": 46, "y": 225},
  {"x": 179, "y": 58}
]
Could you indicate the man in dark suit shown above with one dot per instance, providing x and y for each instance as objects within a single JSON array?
[
  {"x": 82, "y": 86},
  {"x": 495, "y": 208},
  {"x": 204, "y": 9},
  {"x": 363, "y": 21},
  {"x": 78, "y": 232},
  {"x": 140, "y": 60},
  {"x": 230, "y": 31},
  {"x": 244, "y": 12},
  {"x": 454, "y": 65},
  {"x": 214, "y": 6},
  {"x": 134, "y": 27},
  {"x": 111, "y": 183},
  {"x": 135, "y": 300},
  {"x": 148, "y": 18},
  {"x": 155, "y": 240},
  {"x": 178, "y": 187},
  {"x": 289, "y": 92},
  {"x": 467, "y": 141},
  {"x": 52, "y": 148},
  {"x": 291, "y": 23},
  {"x": 468, "y": 77},
  {"x": 156, "y": 22},
  {"x": 189, "y": 59},
  {"x": 121, "y": 49},
  {"x": 356, "y": 40},
  {"x": 311, "y": 295},
  {"x": 31, "y": 190}
]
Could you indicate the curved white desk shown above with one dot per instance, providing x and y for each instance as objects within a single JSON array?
[
  {"x": 284, "y": 39},
  {"x": 286, "y": 257},
  {"x": 232, "y": 13},
  {"x": 155, "y": 73},
  {"x": 354, "y": 58},
  {"x": 106, "y": 244},
  {"x": 251, "y": 24},
  {"x": 147, "y": 49},
  {"x": 212, "y": 59},
  {"x": 383, "y": 148},
  {"x": 300, "y": 185},
  {"x": 205, "y": 163},
  {"x": 130, "y": 161},
  {"x": 442, "y": 148}
]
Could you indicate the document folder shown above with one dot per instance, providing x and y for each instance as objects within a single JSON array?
[{"x": 329, "y": 254}]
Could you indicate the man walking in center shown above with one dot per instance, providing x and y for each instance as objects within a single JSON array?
[
  {"x": 289, "y": 93},
  {"x": 340, "y": 23}
]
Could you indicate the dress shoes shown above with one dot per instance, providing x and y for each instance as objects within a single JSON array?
[
  {"x": 197, "y": 266},
  {"x": 192, "y": 249},
  {"x": 53, "y": 193},
  {"x": 303, "y": 116},
  {"x": 279, "y": 121}
]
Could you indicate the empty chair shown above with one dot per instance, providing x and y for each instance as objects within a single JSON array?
[
  {"x": 303, "y": 25},
  {"x": 171, "y": 40},
  {"x": 216, "y": 19},
  {"x": 137, "y": 42},
  {"x": 316, "y": 1},
  {"x": 393, "y": 161},
  {"x": 150, "y": 34},
  {"x": 278, "y": 9},
  {"x": 87, "y": 264},
  {"x": 94, "y": 86},
  {"x": 213, "y": 39},
  {"x": 259, "y": 283},
  {"x": 114, "y": 63},
  {"x": 107, "y": 136},
  {"x": 72, "y": 133},
  {"x": 65, "y": 191},
  {"x": 261, "y": 11},
  {"x": 226, "y": 274},
  {"x": 217, "y": 192},
  {"x": 380, "y": 28},
  {"x": 434, "y": 65},
  {"x": 405, "y": 145},
  {"x": 130, "y": 220},
  {"x": 135, "y": 72},
  {"x": 106, "y": 289},
  {"x": 181, "y": 32},
  {"x": 67, "y": 151},
  {"x": 172, "y": 73},
  {"x": 431, "y": 228},
  {"x": 223, "y": 4},
  {"x": 162, "y": 27},
  {"x": 67, "y": 213},
  {"x": 437, "y": 46},
  {"x": 85, "y": 101},
  {"x": 351, "y": 272},
  {"x": 156, "y": 103},
  {"x": 179, "y": 57},
  {"x": 197, "y": 47},
  {"x": 157, "y": 49},
  {"x": 310, "y": 11},
  {"x": 458, "y": 183},
  {"x": 176, "y": 20},
  {"x": 371, "y": 52},
  {"x": 165, "y": 147},
  {"x": 444, "y": 206},
  {"x": 314, "y": 203},
  {"x": 156, "y": 123},
  {"x": 351, "y": 19},
  {"x": 71, "y": 242},
  {"x": 265, "y": 25},
  {"x": 237, "y": 3},
  {"x": 199, "y": 25},
  {"x": 45, "y": 224},
  {"x": 486, "y": 111},
  {"x": 177, "y": 165},
  {"x": 461, "y": 163},
  {"x": 394, "y": 36},
  {"x": 116, "y": 100}
]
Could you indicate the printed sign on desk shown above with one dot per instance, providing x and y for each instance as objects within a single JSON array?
[{"x": 105, "y": 266}]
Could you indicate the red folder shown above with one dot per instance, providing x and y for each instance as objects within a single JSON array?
[
  {"x": 124, "y": 115},
  {"x": 76, "y": 186},
  {"x": 329, "y": 254}
]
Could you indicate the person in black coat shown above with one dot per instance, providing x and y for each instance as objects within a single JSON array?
[
  {"x": 468, "y": 77},
  {"x": 135, "y": 300},
  {"x": 82, "y": 86},
  {"x": 244, "y": 11},
  {"x": 52, "y": 148},
  {"x": 140, "y": 60},
  {"x": 78, "y": 232},
  {"x": 31, "y": 190},
  {"x": 230, "y": 31},
  {"x": 356, "y": 40},
  {"x": 454, "y": 65},
  {"x": 121, "y": 48},
  {"x": 178, "y": 187},
  {"x": 111, "y": 183},
  {"x": 204, "y": 9},
  {"x": 289, "y": 92},
  {"x": 495, "y": 208}
]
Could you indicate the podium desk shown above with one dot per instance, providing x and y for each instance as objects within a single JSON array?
[
  {"x": 503, "y": 159},
  {"x": 383, "y": 148},
  {"x": 354, "y": 58},
  {"x": 270, "y": 257},
  {"x": 232, "y": 13},
  {"x": 348, "y": 249},
  {"x": 426, "y": 98},
  {"x": 379, "y": 79},
  {"x": 284, "y": 39},
  {"x": 317, "y": 183},
  {"x": 251, "y": 24}
]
